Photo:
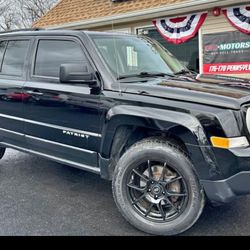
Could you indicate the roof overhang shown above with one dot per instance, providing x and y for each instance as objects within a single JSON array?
[{"x": 168, "y": 10}]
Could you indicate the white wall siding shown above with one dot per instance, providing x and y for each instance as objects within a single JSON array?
[{"x": 216, "y": 24}]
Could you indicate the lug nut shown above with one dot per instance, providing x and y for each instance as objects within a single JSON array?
[{"x": 149, "y": 190}]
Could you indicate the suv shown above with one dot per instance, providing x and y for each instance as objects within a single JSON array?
[{"x": 123, "y": 107}]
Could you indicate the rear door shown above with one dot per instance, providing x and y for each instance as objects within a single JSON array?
[
  {"x": 13, "y": 65},
  {"x": 62, "y": 121}
]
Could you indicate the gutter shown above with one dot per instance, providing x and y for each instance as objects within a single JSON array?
[{"x": 168, "y": 10}]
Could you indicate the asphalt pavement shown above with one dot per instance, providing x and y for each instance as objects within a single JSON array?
[{"x": 41, "y": 197}]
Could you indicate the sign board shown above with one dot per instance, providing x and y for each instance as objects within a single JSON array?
[{"x": 226, "y": 53}]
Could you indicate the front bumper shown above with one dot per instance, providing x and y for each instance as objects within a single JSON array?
[
  {"x": 224, "y": 191},
  {"x": 234, "y": 165}
]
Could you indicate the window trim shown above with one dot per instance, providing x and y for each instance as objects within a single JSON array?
[
  {"x": 1, "y": 63},
  {"x": 25, "y": 64},
  {"x": 137, "y": 28},
  {"x": 35, "y": 50}
]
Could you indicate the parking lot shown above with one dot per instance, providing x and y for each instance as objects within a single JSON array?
[{"x": 41, "y": 197}]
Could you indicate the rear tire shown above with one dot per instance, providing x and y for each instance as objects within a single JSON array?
[{"x": 156, "y": 188}]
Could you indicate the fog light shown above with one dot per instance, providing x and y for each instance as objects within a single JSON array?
[{"x": 236, "y": 142}]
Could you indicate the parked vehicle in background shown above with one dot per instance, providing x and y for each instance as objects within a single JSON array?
[
  {"x": 16, "y": 96},
  {"x": 123, "y": 107}
]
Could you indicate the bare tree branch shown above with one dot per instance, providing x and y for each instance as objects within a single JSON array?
[{"x": 16, "y": 14}]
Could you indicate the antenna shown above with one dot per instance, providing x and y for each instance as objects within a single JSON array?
[{"x": 115, "y": 49}]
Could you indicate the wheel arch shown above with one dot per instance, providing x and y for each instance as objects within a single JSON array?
[{"x": 125, "y": 125}]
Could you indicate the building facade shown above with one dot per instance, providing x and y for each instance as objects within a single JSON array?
[{"x": 218, "y": 46}]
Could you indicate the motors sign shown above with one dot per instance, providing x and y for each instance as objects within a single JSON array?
[{"x": 226, "y": 53}]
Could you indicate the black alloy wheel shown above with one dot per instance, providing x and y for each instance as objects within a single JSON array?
[{"x": 156, "y": 191}]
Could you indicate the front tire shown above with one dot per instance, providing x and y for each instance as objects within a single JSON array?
[{"x": 156, "y": 188}]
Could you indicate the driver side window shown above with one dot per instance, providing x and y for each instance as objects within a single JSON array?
[{"x": 52, "y": 53}]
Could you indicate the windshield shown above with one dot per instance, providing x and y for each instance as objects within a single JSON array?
[{"x": 131, "y": 55}]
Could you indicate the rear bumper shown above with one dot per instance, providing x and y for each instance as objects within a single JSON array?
[{"x": 224, "y": 191}]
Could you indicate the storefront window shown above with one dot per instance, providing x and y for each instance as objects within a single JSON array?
[{"x": 187, "y": 53}]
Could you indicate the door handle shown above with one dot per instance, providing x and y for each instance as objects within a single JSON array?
[{"x": 34, "y": 92}]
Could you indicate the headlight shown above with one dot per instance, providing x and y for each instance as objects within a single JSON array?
[{"x": 248, "y": 119}]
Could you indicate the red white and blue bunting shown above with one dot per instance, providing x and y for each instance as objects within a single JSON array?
[
  {"x": 239, "y": 17},
  {"x": 180, "y": 29}
]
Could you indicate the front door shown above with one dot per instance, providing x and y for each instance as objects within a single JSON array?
[{"x": 62, "y": 121}]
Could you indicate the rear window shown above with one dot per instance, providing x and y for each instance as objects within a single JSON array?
[{"x": 14, "y": 57}]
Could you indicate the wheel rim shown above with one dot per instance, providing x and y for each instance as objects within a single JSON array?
[{"x": 157, "y": 191}]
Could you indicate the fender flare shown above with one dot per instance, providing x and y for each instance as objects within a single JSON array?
[{"x": 161, "y": 120}]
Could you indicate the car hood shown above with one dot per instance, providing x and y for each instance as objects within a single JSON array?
[{"x": 225, "y": 94}]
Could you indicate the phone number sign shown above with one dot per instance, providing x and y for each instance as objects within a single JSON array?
[{"x": 226, "y": 53}]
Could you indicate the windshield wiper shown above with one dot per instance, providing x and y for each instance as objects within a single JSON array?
[
  {"x": 184, "y": 72},
  {"x": 145, "y": 74}
]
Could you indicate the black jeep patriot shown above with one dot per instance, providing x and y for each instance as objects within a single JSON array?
[{"x": 123, "y": 107}]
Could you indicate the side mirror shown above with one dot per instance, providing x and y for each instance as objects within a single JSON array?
[{"x": 77, "y": 73}]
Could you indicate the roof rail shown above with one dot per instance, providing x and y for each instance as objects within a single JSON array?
[{"x": 17, "y": 30}]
